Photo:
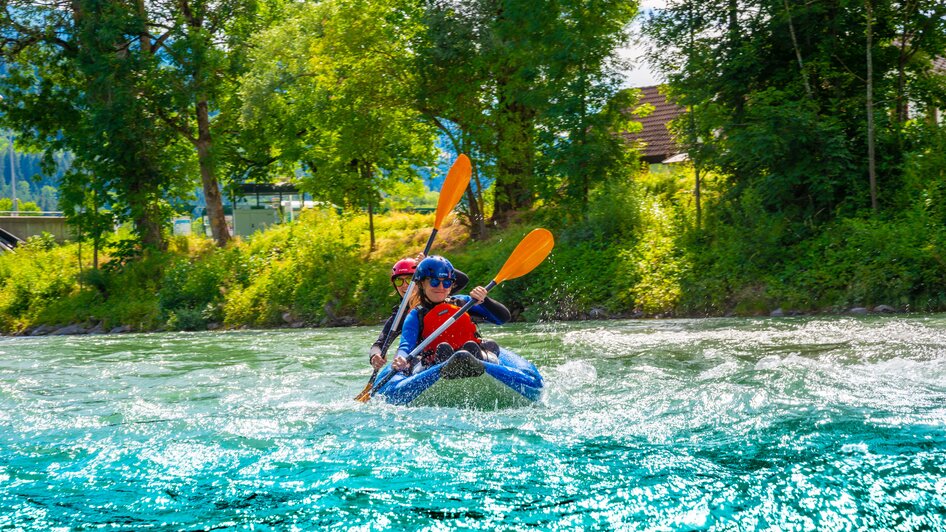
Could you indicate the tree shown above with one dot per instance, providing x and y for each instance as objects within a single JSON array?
[
  {"x": 203, "y": 55},
  {"x": 334, "y": 97},
  {"x": 586, "y": 110},
  {"x": 778, "y": 90},
  {"x": 529, "y": 105},
  {"x": 48, "y": 200},
  {"x": 78, "y": 75},
  {"x": 133, "y": 80}
]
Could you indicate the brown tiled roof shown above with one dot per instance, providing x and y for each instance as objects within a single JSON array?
[{"x": 658, "y": 144}]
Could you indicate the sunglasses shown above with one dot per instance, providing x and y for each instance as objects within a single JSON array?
[
  {"x": 401, "y": 281},
  {"x": 434, "y": 282}
]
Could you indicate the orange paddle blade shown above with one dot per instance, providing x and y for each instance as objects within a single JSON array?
[
  {"x": 365, "y": 394},
  {"x": 530, "y": 252},
  {"x": 458, "y": 178}
]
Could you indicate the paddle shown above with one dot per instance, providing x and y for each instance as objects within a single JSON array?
[
  {"x": 530, "y": 252},
  {"x": 458, "y": 178}
]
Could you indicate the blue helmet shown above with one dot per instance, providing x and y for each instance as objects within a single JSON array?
[{"x": 434, "y": 266}]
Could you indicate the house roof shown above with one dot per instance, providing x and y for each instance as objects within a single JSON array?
[{"x": 657, "y": 142}]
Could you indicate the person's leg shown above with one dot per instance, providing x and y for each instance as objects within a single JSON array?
[
  {"x": 490, "y": 345},
  {"x": 473, "y": 348},
  {"x": 444, "y": 351},
  {"x": 490, "y": 351}
]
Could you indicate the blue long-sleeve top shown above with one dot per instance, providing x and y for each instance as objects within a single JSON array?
[
  {"x": 489, "y": 310},
  {"x": 386, "y": 338}
]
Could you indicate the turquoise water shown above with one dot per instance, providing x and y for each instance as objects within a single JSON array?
[{"x": 722, "y": 424}]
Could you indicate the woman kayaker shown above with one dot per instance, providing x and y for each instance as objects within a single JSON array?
[
  {"x": 401, "y": 274},
  {"x": 433, "y": 305}
]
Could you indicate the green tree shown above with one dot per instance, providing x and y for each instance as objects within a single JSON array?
[
  {"x": 78, "y": 78},
  {"x": 778, "y": 92},
  {"x": 6, "y": 204},
  {"x": 332, "y": 90},
  {"x": 529, "y": 106},
  {"x": 203, "y": 55},
  {"x": 48, "y": 199},
  {"x": 586, "y": 109}
]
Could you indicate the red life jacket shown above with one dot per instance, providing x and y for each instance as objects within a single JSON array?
[{"x": 460, "y": 332}]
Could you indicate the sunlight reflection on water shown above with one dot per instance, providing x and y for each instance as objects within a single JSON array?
[{"x": 829, "y": 423}]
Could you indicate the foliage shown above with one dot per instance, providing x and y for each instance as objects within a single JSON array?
[
  {"x": 32, "y": 278},
  {"x": 76, "y": 83},
  {"x": 346, "y": 95},
  {"x": 528, "y": 109},
  {"x": 777, "y": 97},
  {"x": 6, "y": 204},
  {"x": 336, "y": 101}
]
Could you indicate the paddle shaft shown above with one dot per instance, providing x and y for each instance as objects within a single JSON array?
[
  {"x": 443, "y": 327},
  {"x": 407, "y": 295},
  {"x": 530, "y": 252},
  {"x": 432, "y": 336}
]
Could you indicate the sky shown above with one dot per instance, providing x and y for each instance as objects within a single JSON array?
[{"x": 640, "y": 74}]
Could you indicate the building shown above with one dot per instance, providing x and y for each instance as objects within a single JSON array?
[{"x": 655, "y": 139}]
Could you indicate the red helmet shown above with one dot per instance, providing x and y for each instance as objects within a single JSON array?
[{"x": 403, "y": 267}]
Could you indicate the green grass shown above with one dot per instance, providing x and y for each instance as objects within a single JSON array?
[{"x": 634, "y": 250}]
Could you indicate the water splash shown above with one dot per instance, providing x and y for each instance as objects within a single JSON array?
[{"x": 726, "y": 424}]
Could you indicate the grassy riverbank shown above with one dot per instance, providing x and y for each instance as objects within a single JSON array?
[{"x": 636, "y": 253}]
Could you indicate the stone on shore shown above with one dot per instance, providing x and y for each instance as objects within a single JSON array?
[
  {"x": 75, "y": 328},
  {"x": 43, "y": 330}
]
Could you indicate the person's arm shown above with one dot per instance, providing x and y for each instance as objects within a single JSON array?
[
  {"x": 376, "y": 352},
  {"x": 489, "y": 309},
  {"x": 409, "y": 335},
  {"x": 460, "y": 281},
  {"x": 493, "y": 311},
  {"x": 498, "y": 313},
  {"x": 385, "y": 331}
]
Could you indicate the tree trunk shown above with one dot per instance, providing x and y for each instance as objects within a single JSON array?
[
  {"x": 801, "y": 64},
  {"x": 481, "y": 204},
  {"x": 148, "y": 226},
  {"x": 694, "y": 149},
  {"x": 371, "y": 225},
  {"x": 871, "y": 158},
  {"x": 514, "y": 158},
  {"x": 477, "y": 227},
  {"x": 902, "y": 112},
  {"x": 97, "y": 233},
  {"x": 367, "y": 174},
  {"x": 218, "y": 221}
]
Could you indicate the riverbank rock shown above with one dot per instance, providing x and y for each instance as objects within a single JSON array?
[
  {"x": 858, "y": 311},
  {"x": 884, "y": 309},
  {"x": 75, "y": 328},
  {"x": 120, "y": 329},
  {"x": 43, "y": 330},
  {"x": 98, "y": 329},
  {"x": 777, "y": 313},
  {"x": 598, "y": 314}
]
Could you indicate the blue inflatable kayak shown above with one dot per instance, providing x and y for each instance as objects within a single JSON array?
[{"x": 464, "y": 381}]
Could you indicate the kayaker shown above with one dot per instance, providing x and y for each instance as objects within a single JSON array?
[
  {"x": 401, "y": 274},
  {"x": 433, "y": 305}
]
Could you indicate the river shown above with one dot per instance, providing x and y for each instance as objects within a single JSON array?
[{"x": 829, "y": 423}]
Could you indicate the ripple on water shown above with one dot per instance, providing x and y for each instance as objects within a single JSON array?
[{"x": 728, "y": 424}]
